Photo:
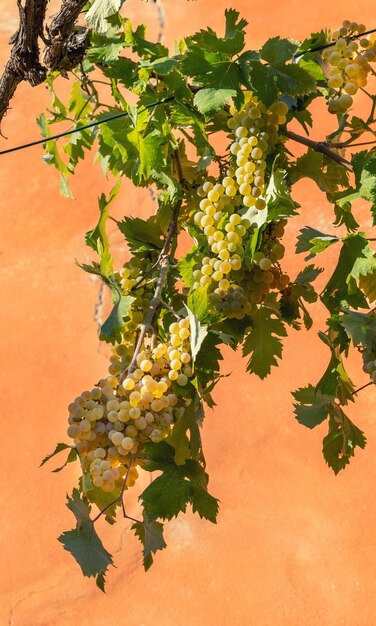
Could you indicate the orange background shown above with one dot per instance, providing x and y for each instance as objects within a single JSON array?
[{"x": 294, "y": 545}]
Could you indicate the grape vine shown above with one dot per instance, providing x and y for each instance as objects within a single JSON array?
[{"x": 170, "y": 314}]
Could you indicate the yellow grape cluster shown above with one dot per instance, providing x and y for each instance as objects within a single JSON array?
[
  {"x": 110, "y": 422},
  {"x": 132, "y": 274},
  {"x": 348, "y": 64},
  {"x": 254, "y": 130},
  {"x": 252, "y": 285}
]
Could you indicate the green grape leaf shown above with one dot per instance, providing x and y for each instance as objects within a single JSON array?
[
  {"x": 210, "y": 100},
  {"x": 178, "y": 486},
  {"x": 59, "y": 448},
  {"x": 293, "y": 80},
  {"x": 263, "y": 342},
  {"x": 335, "y": 381},
  {"x": 365, "y": 265},
  {"x": 291, "y": 304},
  {"x": 341, "y": 287},
  {"x": 364, "y": 165},
  {"x": 104, "y": 49},
  {"x": 263, "y": 83},
  {"x": 310, "y": 63},
  {"x": 312, "y": 406},
  {"x": 359, "y": 327},
  {"x": 198, "y": 333},
  {"x": 83, "y": 542},
  {"x": 188, "y": 419},
  {"x": 142, "y": 234},
  {"x": 368, "y": 285},
  {"x": 167, "y": 495},
  {"x": 213, "y": 70},
  {"x": 277, "y": 51},
  {"x": 97, "y": 238},
  {"x": 342, "y": 439},
  {"x": 327, "y": 174},
  {"x": 344, "y": 216},
  {"x": 120, "y": 69},
  {"x": 313, "y": 241},
  {"x": 233, "y": 41},
  {"x": 278, "y": 198},
  {"x": 304, "y": 118},
  {"x": 151, "y": 537},
  {"x": 204, "y": 503},
  {"x": 198, "y": 302},
  {"x": 112, "y": 327},
  {"x": 186, "y": 266},
  {"x": 99, "y": 11},
  {"x": 234, "y": 30},
  {"x": 151, "y": 154}
]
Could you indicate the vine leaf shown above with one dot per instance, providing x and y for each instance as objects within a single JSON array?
[
  {"x": 278, "y": 198},
  {"x": 188, "y": 419},
  {"x": 341, "y": 286},
  {"x": 111, "y": 329},
  {"x": 342, "y": 439},
  {"x": 142, "y": 234},
  {"x": 210, "y": 100},
  {"x": 99, "y": 11},
  {"x": 72, "y": 456},
  {"x": 151, "y": 537},
  {"x": 312, "y": 407},
  {"x": 277, "y": 51},
  {"x": 83, "y": 542},
  {"x": 97, "y": 238},
  {"x": 360, "y": 327},
  {"x": 291, "y": 303},
  {"x": 262, "y": 83},
  {"x": 178, "y": 486},
  {"x": 198, "y": 333},
  {"x": 263, "y": 342},
  {"x": 293, "y": 80},
  {"x": 313, "y": 241},
  {"x": 364, "y": 165},
  {"x": 198, "y": 302}
]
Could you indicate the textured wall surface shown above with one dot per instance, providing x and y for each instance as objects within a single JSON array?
[{"x": 294, "y": 545}]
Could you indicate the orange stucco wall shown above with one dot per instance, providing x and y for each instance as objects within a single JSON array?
[{"x": 294, "y": 545}]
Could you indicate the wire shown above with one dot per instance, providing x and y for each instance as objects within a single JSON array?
[
  {"x": 80, "y": 128},
  {"x": 332, "y": 43},
  {"x": 149, "y": 106}
]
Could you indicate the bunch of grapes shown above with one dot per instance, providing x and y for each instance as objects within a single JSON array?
[
  {"x": 348, "y": 64},
  {"x": 221, "y": 207},
  {"x": 256, "y": 130},
  {"x": 254, "y": 283},
  {"x": 133, "y": 279},
  {"x": 110, "y": 423}
]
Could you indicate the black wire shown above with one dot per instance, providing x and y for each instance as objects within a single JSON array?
[
  {"x": 80, "y": 128},
  {"x": 332, "y": 43},
  {"x": 152, "y": 104}
]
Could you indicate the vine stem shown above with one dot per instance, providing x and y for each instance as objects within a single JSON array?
[
  {"x": 164, "y": 261},
  {"x": 318, "y": 146},
  {"x": 169, "y": 308},
  {"x": 120, "y": 498},
  {"x": 363, "y": 387}
]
